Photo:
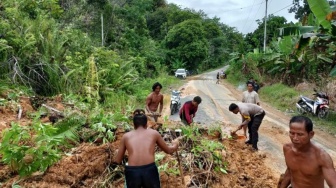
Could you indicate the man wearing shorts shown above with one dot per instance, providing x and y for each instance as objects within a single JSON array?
[{"x": 140, "y": 143}]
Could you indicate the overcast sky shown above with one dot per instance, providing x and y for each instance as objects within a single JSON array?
[{"x": 239, "y": 13}]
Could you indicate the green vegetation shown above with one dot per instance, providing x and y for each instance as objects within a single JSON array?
[
  {"x": 207, "y": 153},
  {"x": 279, "y": 95},
  {"x": 27, "y": 149},
  {"x": 56, "y": 47}
]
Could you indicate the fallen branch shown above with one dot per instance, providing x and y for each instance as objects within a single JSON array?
[
  {"x": 180, "y": 167},
  {"x": 53, "y": 109}
]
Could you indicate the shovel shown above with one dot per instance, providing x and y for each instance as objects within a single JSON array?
[
  {"x": 234, "y": 133},
  {"x": 157, "y": 125}
]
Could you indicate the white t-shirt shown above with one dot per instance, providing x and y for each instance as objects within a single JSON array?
[{"x": 250, "y": 97}]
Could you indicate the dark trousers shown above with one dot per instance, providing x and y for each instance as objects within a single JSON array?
[
  {"x": 146, "y": 176},
  {"x": 183, "y": 118},
  {"x": 253, "y": 128}
]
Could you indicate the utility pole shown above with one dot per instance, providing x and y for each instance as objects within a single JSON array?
[
  {"x": 265, "y": 22},
  {"x": 102, "y": 28}
]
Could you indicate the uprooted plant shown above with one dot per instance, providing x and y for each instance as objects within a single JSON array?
[
  {"x": 101, "y": 126},
  {"x": 202, "y": 157}
]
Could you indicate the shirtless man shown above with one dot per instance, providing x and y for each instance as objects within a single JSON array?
[
  {"x": 307, "y": 164},
  {"x": 153, "y": 101},
  {"x": 141, "y": 170}
]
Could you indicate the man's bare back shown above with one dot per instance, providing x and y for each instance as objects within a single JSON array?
[
  {"x": 140, "y": 145},
  {"x": 153, "y": 100},
  {"x": 141, "y": 170}
]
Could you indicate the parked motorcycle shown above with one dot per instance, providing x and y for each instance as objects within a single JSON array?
[
  {"x": 319, "y": 107},
  {"x": 175, "y": 103}
]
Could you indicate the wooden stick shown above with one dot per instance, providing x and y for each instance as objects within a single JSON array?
[
  {"x": 20, "y": 113},
  {"x": 180, "y": 167}
]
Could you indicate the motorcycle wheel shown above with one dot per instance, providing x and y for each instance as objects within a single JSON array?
[
  {"x": 323, "y": 113},
  {"x": 300, "y": 110},
  {"x": 173, "y": 109}
]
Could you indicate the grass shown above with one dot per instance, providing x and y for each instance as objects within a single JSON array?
[{"x": 280, "y": 96}]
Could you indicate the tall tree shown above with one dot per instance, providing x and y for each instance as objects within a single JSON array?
[
  {"x": 187, "y": 42},
  {"x": 302, "y": 10},
  {"x": 255, "y": 39}
]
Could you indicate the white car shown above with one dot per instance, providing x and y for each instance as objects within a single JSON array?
[{"x": 181, "y": 73}]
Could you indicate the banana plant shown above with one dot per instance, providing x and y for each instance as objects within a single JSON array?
[
  {"x": 321, "y": 9},
  {"x": 281, "y": 62},
  {"x": 296, "y": 30}
]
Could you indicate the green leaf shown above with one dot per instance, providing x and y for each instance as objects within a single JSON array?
[
  {"x": 223, "y": 170},
  {"x": 321, "y": 9},
  {"x": 324, "y": 58},
  {"x": 333, "y": 72}
]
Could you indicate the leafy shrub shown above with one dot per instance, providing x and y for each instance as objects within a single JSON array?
[{"x": 27, "y": 149}]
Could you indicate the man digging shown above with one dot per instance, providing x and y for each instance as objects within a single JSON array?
[
  {"x": 189, "y": 109},
  {"x": 249, "y": 112},
  {"x": 141, "y": 170}
]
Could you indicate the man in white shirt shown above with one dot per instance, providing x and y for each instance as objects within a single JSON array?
[{"x": 250, "y": 96}]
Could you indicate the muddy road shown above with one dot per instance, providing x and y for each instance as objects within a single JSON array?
[{"x": 273, "y": 132}]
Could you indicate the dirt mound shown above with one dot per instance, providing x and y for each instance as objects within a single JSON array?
[
  {"x": 246, "y": 168},
  {"x": 81, "y": 168},
  {"x": 9, "y": 112}
]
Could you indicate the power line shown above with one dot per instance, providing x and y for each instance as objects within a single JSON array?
[
  {"x": 255, "y": 15},
  {"x": 283, "y": 8},
  {"x": 242, "y": 7},
  {"x": 271, "y": 13},
  {"x": 248, "y": 15}
]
